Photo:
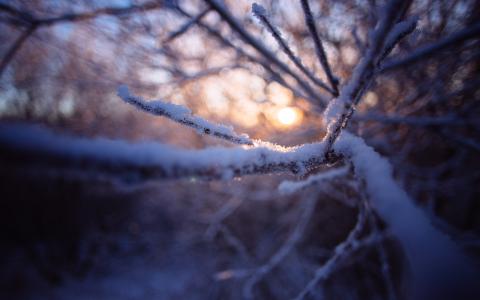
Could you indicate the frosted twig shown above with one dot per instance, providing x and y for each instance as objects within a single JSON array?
[
  {"x": 183, "y": 115},
  {"x": 340, "y": 110},
  {"x": 260, "y": 47},
  {"x": 290, "y": 187},
  {"x": 235, "y": 242},
  {"x": 286, "y": 248},
  {"x": 349, "y": 249},
  {"x": 398, "y": 32},
  {"x": 344, "y": 249},
  {"x": 147, "y": 161},
  {"x": 226, "y": 210},
  {"x": 260, "y": 12},
  {"x": 322, "y": 57}
]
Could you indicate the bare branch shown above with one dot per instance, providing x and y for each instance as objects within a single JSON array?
[
  {"x": 15, "y": 47},
  {"x": 25, "y": 17},
  {"x": 258, "y": 45},
  {"x": 110, "y": 11},
  {"x": 275, "y": 75},
  {"x": 225, "y": 211},
  {"x": 432, "y": 49},
  {"x": 32, "y": 23},
  {"x": 293, "y": 239},
  {"x": 399, "y": 31},
  {"x": 342, "y": 250},
  {"x": 185, "y": 27},
  {"x": 421, "y": 121},
  {"x": 259, "y": 12},
  {"x": 322, "y": 57}
]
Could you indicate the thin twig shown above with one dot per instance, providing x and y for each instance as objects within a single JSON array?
[
  {"x": 185, "y": 27},
  {"x": 274, "y": 74},
  {"x": 260, "y": 13},
  {"x": 342, "y": 250},
  {"x": 260, "y": 47},
  {"x": 225, "y": 211},
  {"x": 319, "y": 50},
  {"x": 341, "y": 109},
  {"x": 290, "y": 187},
  {"x": 434, "y": 48},
  {"x": 183, "y": 115},
  {"x": 15, "y": 47},
  {"x": 286, "y": 248},
  {"x": 33, "y": 23}
]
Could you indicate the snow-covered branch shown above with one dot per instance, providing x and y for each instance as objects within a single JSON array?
[
  {"x": 183, "y": 115},
  {"x": 340, "y": 110},
  {"x": 290, "y": 187},
  {"x": 148, "y": 160},
  {"x": 398, "y": 32},
  {"x": 433, "y": 256}
]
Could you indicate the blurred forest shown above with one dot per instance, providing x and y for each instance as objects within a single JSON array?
[{"x": 74, "y": 235}]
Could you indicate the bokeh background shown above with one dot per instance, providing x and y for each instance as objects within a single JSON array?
[{"x": 68, "y": 237}]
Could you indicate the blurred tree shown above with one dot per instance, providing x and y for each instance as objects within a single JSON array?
[{"x": 402, "y": 75}]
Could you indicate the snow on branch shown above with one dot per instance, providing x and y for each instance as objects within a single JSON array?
[
  {"x": 290, "y": 187},
  {"x": 183, "y": 115},
  {"x": 398, "y": 32},
  {"x": 434, "y": 258},
  {"x": 340, "y": 110},
  {"x": 260, "y": 13},
  {"x": 142, "y": 161}
]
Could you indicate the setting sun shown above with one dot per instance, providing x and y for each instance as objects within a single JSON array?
[{"x": 288, "y": 116}]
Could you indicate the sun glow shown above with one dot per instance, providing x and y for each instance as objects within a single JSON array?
[{"x": 288, "y": 116}]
